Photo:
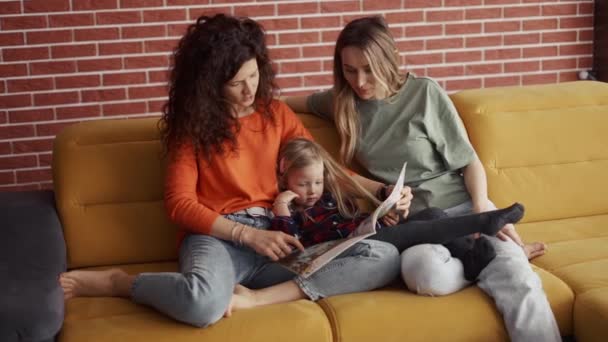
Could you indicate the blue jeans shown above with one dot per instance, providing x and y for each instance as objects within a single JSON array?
[{"x": 210, "y": 268}]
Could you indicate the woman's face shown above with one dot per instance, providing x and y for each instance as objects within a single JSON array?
[
  {"x": 359, "y": 75},
  {"x": 240, "y": 90}
]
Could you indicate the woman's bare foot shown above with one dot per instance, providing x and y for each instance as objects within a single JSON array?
[
  {"x": 108, "y": 283},
  {"x": 242, "y": 298},
  {"x": 534, "y": 249}
]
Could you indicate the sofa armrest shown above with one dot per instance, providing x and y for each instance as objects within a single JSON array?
[{"x": 32, "y": 255}]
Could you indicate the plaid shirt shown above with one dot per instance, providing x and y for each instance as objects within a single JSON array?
[{"x": 319, "y": 223}]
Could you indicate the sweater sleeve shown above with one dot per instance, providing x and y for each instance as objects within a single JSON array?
[{"x": 181, "y": 199}]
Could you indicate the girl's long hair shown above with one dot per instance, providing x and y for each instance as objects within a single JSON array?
[
  {"x": 372, "y": 36},
  {"x": 208, "y": 56},
  {"x": 299, "y": 153}
]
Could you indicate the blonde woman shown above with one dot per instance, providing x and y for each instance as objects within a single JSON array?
[{"x": 384, "y": 118}]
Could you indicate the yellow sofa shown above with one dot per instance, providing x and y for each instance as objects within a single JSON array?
[{"x": 545, "y": 146}]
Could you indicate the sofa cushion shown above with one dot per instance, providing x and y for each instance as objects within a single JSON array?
[
  {"x": 591, "y": 315},
  {"x": 118, "y": 319},
  {"x": 468, "y": 315}
]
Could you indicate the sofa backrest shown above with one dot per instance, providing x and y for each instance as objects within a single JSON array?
[
  {"x": 545, "y": 146},
  {"x": 108, "y": 180}
]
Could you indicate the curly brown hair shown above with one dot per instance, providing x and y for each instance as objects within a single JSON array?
[{"x": 208, "y": 56}]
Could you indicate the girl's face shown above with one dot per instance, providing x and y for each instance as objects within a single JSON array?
[
  {"x": 240, "y": 90},
  {"x": 307, "y": 183},
  {"x": 359, "y": 75}
]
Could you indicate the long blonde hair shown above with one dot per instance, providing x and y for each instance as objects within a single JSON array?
[
  {"x": 372, "y": 36},
  {"x": 299, "y": 153}
]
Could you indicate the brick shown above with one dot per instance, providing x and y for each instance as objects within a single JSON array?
[
  {"x": 30, "y": 176},
  {"x": 12, "y": 38},
  {"x": 165, "y": 15},
  {"x": 330, "y": 36},
  {"x": 300, "y": 38},
  {"x": 410, "y": 45},
  {"x": 5, "y": 148},
  {"x": 33, "y": 145},
  {"x": 559, "y": 37},
  {"x": 318, "y": 22},
  {"x": 87, "y": 5},
  {"x": 294, "y": 67},
  {"x": 26, "y": 187},
  {"x": 144, "y": 31},
  {"x": 15, "y": 101},
  {"x": 158, "y": 76},
  {"x": 176, "y": 30},
  {"x": 9, "y": 70},
  {"x": 339, "y": 6},
  {"x": 471, "y": 42},
  {"x": 405, "y": 17},
  {"x": 146, "y": 62},
  {"x": 100, "y": 64},
  {"x": 445, "y": 15},
  {"x": 140, "y": 3},
  {"x": 49, "y": 99},
  {"x": 156, "y": 107},
  {"x": 54, "y": 67},
  {"x": 318, "y": 80},
  {"x": 124, "y": 108},
  {"x": 585, "y": 35},
  {"x": 585, "y": 62},
  {"x": 98, "y": 33},
  {"x": 113, "y": 18},
  {"x": 540, "y": 24},
  {"x": 10, "y": 7},
  {"x": 7, "y": 177},
  {"x": 502, "y": 53},
  {"x": 423, "y": 30},
  {"x": 147, "y": 92},
  {"x": 568, "y": 76},
  {"x": 124, "y": 78},
  {"x": 483, "y": 69},
  {"x": 30, "y": 6},
  {"x": 501, "y": 2},
  {"x": 502, "y": 26},
  {"x": 45, "y": 160},
  {"x": 17, "y": 162},
  {"x": 51, "y": 36},
  {"x": 16, "y": 131},
  {"x": 469, "y": 83},
  {"x": 502, "y": 81},
  {"x": 30, "y": 115},
  {"x": 539, "y": 79},
  {"x": 194, "y": 13},
  {"x": 279, "y": 24},
  {"x": 462, "y": 56},
  {"x": 317, "y": 51},
  {"x": 421, "y": 3},
  {"x": 68, "y": 20},
  {"x": 458, "y": 29},
  {"x": 75, "y": 50},
  {"x": 289, "y": 82},
  {"x": 120, "y": 48},
  {"x": 426, "y": 58},
  {"x": 25, "y": 54},
  {"x": 522, "y": 66},
  {"x": 558, "y": 64},
  {"x": 585, "y": 8},
  {"x": 284, "y": 53},
  {"x": 447, "y": 71},
  {"x": 576, "y": 49},
  {"x": 186, "y": 2},
  {"x": 543, "y": 51},
  {"x": 161, "y": 45},
  {"x": 521, "y": 11},
  {"x": 448, "y": 3},
  {"x": 23, "y": 22},
  {"x": 80, "y": 81},
  {"x": 77, "y": 112},
  {"x": 374, "y": 5},
  {"x": 254, "y": 10},
  {"x": 482, "y": 13},
  {"x": 297, "y": 8},
  {"x": 52, "y": 129},
  {"x": 29, "y": 84},
  {"x": 576, "y": 22},
  {"x": 444, "y": 43},
  {"x": 525, "y": 38},
  {"x": 103, "y": 95},
  {"x": 559, "y": 9}
]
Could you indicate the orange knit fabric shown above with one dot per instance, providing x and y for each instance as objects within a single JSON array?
[{"x": 196, "y": 192}]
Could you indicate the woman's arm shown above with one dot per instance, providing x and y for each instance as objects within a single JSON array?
[{"x": 298, "y": 104}]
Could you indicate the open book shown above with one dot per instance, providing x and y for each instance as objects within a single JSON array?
[{"x": 314, "y": 257}]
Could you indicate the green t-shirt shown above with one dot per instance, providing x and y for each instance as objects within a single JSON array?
[{"x": 419, "y": 125}]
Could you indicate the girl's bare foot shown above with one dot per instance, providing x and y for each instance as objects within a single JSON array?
[
  {"x": 534, "y": 249},
  {"x": 108, "y": 283},
  {"x": 242, "y": 298}
]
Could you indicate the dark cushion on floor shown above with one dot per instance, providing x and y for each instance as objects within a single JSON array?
[{"x": 32, "y": 255}]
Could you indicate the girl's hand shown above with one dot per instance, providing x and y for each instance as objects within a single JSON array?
[
  {"x": 273, "y": 244},
  {"x": 286, "y": 197}
]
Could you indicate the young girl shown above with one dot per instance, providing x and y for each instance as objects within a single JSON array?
[{"x": 319, "y": 203}]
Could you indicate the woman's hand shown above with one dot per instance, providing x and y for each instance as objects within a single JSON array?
[
  {"x": 402, "y": 207},
  {"x": 273, "y": 244}
]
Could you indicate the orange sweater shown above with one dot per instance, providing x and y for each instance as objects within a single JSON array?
[{"x": 196, "y": 193}]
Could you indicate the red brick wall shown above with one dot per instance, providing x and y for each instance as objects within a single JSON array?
[{"x": 63, "y": 61}]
